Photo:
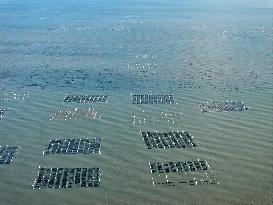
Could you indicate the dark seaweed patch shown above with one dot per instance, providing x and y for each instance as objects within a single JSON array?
[
  {"x": 204, "y": 73},
  {"x": 187, "y": 84},
  {"x": 105, "y": 79},
  {"x": 59, "y": 78}
]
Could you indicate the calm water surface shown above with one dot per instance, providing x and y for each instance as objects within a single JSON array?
[{"x": 197, "y": 50}]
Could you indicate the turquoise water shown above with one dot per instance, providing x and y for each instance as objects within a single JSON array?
[{"x": 197, "y": 50}]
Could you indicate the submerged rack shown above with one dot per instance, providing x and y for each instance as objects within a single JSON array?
[
  {"x": 224, "y": 106},
  {"x": 7, "y": 153},
  {"x": 146, "y": 117},
  {"x": 67, "y": 178},
  {"x": 73, "y": 146},
  {"x": 196, "y": 172},
  {"x": 168, "y": 140},
  {"x": 76, "y": 114},
  {"x": 3, "y": 112}
]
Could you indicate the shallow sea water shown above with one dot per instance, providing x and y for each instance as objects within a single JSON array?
[{"x": 198, "y": 51}]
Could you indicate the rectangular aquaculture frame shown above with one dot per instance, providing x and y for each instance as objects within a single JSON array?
[
  {"x": 168, "y": 140},
  {"x": 3, "y": 112},
  {"x": 86, "y": 98},
  {"x": 7, "y": 153},
  {"x": 153, "y": 99},
  {"x": 225, "y": 106},
  {"x": 196, "y": 172},
  {"x": 76, "y": 114},
  {"x": 186, "y": 166},
  {"x": 67, "y": 178},
  {"x": 73, "y": 146}
]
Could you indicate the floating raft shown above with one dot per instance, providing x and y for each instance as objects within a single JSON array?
[
  {"x": 86, "y": 98},
  {"x": 3, "y": 112},
  {"x": 67, "y": 178},
  {"x": 168, "y": 140},
  {"x": 195, "y": 172},
  {"x": 156, "y": 118},
  {"x": 186, "y": 166},
  {"x": 153, "y": 99},
  {"x": 75, "y": 114},
  {"x": 73, "y": 146},
  {"x": 11, "y": 96},
  {"x": 224, "y": 106},
  {"x": 7, "y": 153}
]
